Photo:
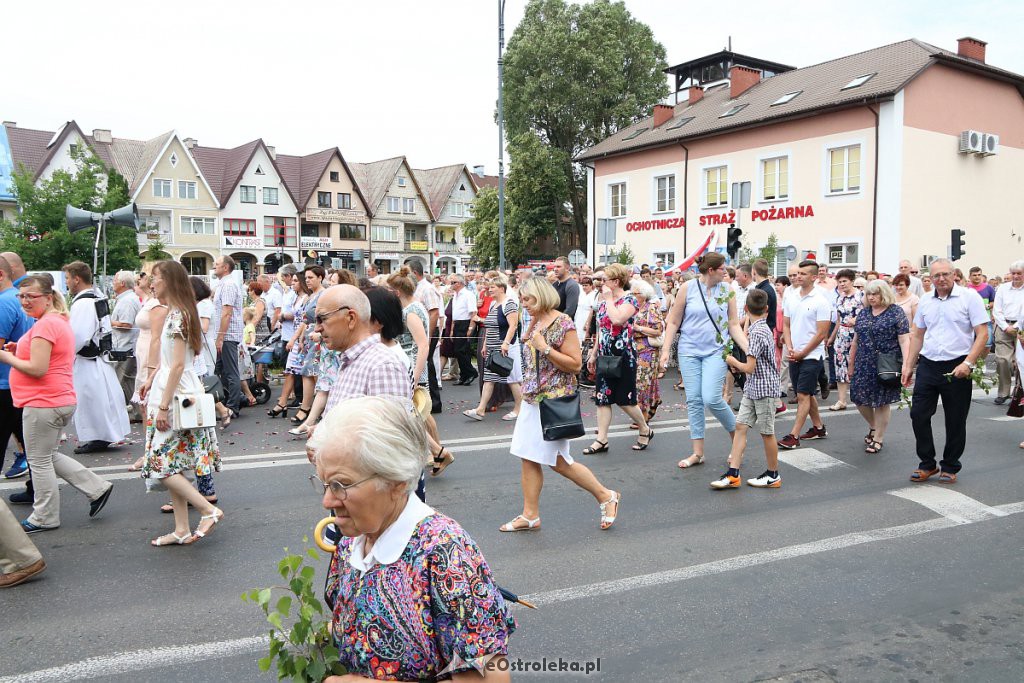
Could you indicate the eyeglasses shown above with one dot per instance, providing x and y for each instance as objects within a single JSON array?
[
  {"x": 338, "y": 490},
  {"x": 25, "y": 297},
  {"x": 321, "y": 317}
]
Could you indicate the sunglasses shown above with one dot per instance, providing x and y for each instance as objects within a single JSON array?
[{"x": 321, "y": 317}]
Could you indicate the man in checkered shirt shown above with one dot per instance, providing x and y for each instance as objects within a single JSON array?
[{"x": 760, "y": 396}]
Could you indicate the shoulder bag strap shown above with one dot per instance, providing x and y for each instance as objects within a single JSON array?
[
  {"x": 705, "y": 302},
  {"x": 536, "y": 353}
]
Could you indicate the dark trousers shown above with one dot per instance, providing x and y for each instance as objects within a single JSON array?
[
  {"x": 930, "y": 385},
  {"x": 227, "y": 370},
  {"x": 435, "y": 388},
  {"x": 460, "y": 332},
  {"x": 10, "y": 424},
  {"x": 831, "y": 357}
]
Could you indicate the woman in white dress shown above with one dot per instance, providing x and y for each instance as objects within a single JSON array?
[
  {"x": 147, "y": 346},
  {"x": 174, "y": 454}
]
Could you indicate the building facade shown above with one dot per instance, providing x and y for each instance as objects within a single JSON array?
[
  {"x": 400, "y": 228},
  {"x": 858, "y": 161},
  {"x": 451, "y": 191}
]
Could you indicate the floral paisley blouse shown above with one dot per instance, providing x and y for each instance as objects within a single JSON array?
[
  {"x": 549, "y": 382},
  {"x": 433, "y": 607}
]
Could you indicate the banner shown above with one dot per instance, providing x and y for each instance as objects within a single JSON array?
[{"x": 707, "y": 245}]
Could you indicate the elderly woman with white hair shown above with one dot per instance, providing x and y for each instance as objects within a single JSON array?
[
  {"x": 648, "y": 332},
  {"x": 411, "y": 594},
  {"x": 881, "y": 327}
]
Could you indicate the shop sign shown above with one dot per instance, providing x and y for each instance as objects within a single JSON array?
[
  {"x": 718, "y": 219},
  {"x": 315, "y": 242},
  {"x": 658, "y": 224},
  {"x": 332, "y": 215},
  {"x": 418, "y": 246},
  {"x": 386, "y": 256},
  {"x": 782, "y": 213},
  {"x": 243, "y": 242}
]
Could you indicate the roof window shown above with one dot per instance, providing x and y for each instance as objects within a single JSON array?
[
  {"x": 635, "y": 133},
  {"x": 681, "y": 122},
  {"x": 735, "y": 110},
  {"x": 788, "y": 97},
  {"x": 859, "y": 81}
]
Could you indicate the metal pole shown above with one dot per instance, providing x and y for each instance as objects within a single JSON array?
[
  {"x": 501, "y": 136},
  {"x": 96, "y": 245}
]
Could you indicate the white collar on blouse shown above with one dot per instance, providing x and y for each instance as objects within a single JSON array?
[{"x": 391, "y": 544}]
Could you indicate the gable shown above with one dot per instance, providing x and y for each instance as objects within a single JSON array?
[{"x": 175, "y": 163}]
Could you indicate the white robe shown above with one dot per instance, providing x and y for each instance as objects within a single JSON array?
[{"x": 101, "y": 414}]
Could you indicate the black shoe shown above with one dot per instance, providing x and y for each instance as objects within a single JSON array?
[
  {"x": 23, "y": 498},
  {"x": 1001, "y": 400},
  {"x": 823, "y": 385},
  {"x": 436, "y": 410},
  {"x": 97, "y": 505},
  {"x": 833, "y": 386},
  {"x": 91, "y": 447}
]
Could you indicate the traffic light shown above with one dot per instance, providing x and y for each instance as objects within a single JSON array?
[
  {"x": 957, "y": 244},
  {"x": 732, "y": 243}
]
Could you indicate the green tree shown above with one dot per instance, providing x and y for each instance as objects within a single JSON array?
[
  {"x": 769, "y": 250},
  {"x": 575, "y": 74},
  {"x": 155, "y": 252},
  {"x": 40, "y": 234},
  {"x": 625, "y": 256},
  {"x": 536, "y": 190}
]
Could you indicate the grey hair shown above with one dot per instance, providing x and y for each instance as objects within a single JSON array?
[
  {"x": 1017, "y": 265},
  {"x": 126, "y": 278},
  {"x": 641, "y": 288},
  {"x": 940, "y": 260},
  {"x": 385, "y": 438},
  {"x": 457, "y": 277},
  {"x": 882, "y": 289}
]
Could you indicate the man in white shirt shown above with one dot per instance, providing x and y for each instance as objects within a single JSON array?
[
  {"x": 828, "y": 285},
  {"x": 123, "y": 336},
  {"x": 742, "y": 285},
  {"x": 463, "y": 309},
  {"x": 428, "y": 295},
  {"x": 806, "y": 317},
  {"x": 1008, "y": 316},
  {"x": 949, "y": 334},
  {"x": 915, "y": 282}
]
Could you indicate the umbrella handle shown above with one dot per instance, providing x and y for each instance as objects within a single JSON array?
[{"x": 318, "y": 535}]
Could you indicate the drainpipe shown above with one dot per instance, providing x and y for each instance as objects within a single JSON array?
[
  {"x": 686, "y": 184},
  {"x": 874, "y": 197}
]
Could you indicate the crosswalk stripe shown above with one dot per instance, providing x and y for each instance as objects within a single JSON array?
[
  {"x": 951, "y": 504},
  {"x": 811, "y": 460},
  {"x": 1003, "y": 418}
]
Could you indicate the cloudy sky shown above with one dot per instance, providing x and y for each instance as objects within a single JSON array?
[{"x": 389, "y": 77}]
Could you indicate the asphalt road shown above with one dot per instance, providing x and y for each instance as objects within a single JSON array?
[{"x": 848, "y": 572}]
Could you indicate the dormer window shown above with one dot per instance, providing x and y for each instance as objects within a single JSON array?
[
  {"x": 859, "y": 81},
  {"x": 681, "y": 122},
  {"x": 636, "y": 133},
  {"x": 788, "y": 97},
  {"x": 733, "y": 111}
]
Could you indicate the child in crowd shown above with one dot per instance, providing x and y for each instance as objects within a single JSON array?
[
  {"x": 760, "y": 395},
  {"x": 249, "y": 331}
]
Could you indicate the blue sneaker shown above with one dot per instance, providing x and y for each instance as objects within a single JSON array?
[
  {"x": 19, "y": 468},
  {"x": 31, "y": 528}
]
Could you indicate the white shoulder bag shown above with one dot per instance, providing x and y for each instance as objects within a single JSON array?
[{"x": 193, "y": 412}]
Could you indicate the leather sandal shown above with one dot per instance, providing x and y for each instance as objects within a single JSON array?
[
  {"x": 923, "y": 475},
  {"x": 606, "y": 519},
  {"x": 874, "y": 447},
  {"x": 442, "y": 459},
  {"x": 947, "y": 478},
  {"x": 531, "y": 524},
  {"x": 638, "y": 446},
  {"x": 685, "y": 462},
  {"x": 278, "y": 409},
  {"x": 296, "y": 420},
  {"x": 602, "y": 447},
  {"x": 178, "y": 540},
  {"x": 869, "y": 437},
  {"x": 215, "y": 516}
]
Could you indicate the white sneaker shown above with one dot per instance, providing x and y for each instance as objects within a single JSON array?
[
  {"x": 726, "y": 482},
  {"x": 765, "y": 481}
]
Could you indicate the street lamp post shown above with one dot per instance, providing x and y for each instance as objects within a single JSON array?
[{"x": 501, "y": 137}]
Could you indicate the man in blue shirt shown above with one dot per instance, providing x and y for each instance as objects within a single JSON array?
[{"x": 13, "y": 324}]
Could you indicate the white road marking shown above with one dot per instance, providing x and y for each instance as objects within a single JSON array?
[
  {"x": 140, "y": 660},
  {"x": 951, "y": 504},
  {"x": 1003, "y": 418},
  {"x": 811, "y": 460}
]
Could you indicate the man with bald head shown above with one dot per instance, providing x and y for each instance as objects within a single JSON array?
[
  {"x": 368, "y": 368},
  {"x": 16, "y": 265},
  {"x": 13, "y": 324}
]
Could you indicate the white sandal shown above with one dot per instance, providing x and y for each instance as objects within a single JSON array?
[
  {"x": 216, "y": 516},
  {"x": 510, "y": 416},
  {"x": 606, "y": 521},
  {"x": 178, "y": 540},
  {"x": 473, "y": 415},
  {"x": 837, "y": 406},
  {"x": 683, "y": 464},
  {"x": 531, "y": 524}
]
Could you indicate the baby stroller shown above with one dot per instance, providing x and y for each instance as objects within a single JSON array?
[{"x": 249, "y": 358}]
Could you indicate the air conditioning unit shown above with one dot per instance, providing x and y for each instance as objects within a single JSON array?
[
  {"x": 989, "y": 144},
  {"x": 927, "y": 259},
  {"x": 971, "y": 141}
]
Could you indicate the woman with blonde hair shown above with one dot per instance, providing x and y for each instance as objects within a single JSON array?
[
  {"x": 172, "y": 454},
  {"x": 551, "y": 360}
]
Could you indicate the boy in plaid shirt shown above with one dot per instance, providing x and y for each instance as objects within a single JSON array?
[{"x": 760, "y": 395}]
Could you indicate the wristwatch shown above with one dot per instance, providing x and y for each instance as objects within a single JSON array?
[
  {"x": 547, "y": 351},
  {"x": 968, "y": 364}
]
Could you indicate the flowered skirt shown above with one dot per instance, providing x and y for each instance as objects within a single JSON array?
[
  {"x": 648, "y": 389},
  {"x": 843, "y": 344},
  {"x": 178, "y": 452},
  {"x": 330, "y": 364},
  {"x": 311, "y": 362}
]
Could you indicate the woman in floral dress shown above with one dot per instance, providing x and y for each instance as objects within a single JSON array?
[
  {"x": 171, "y": 454},
  {"x": 314, "y": 276},
  {"x": 615, "y": 317},
  {"x": 646, "y": 327},
  {"x": 849, "y": 302}
]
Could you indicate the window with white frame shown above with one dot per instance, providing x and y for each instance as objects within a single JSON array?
[
  {"x": 468, "y": 209},
  {"x": 666, "y": 257},
  {"x": 716, "y": 186},
  {"x": 780, "y": 264},
  {"x": 270, "y": 195},
  {"x": 408, "y": 205},
  {"x": 617, "y": 193},
  {"x": 394, "y": 204},
  {"x": 844, "y": 169},
  {"x": 456, "y": 209},
  {"x": 186, "y": 189},
  {"x": 161, "y": 188},
  {"x": 247, "y": 194},
  {"x": 467, "y": 239},
  {"x": 384, "y": 233},
  {"x": 194, "y": 225},
  {"x": 775, "y": 179},
  {"x": 842, "y": 254},
  {"x": 665, "y": 187},
  {"x": 401, "y": 181}
]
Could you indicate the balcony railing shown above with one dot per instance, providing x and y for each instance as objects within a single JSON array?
[
  {"x": 152, "y": 236},
  {"x": 449, "y": 248}
]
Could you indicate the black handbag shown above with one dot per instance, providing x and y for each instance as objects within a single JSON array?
[
  {"x": 559, "y": 417},
  {"x": 500, "y": 364},
  {"x": 213, "y": 386},
  {"x": 609, "y": 366},
  {"x": 1016, "y": 407},
  {"x": 890, "y": 369}
]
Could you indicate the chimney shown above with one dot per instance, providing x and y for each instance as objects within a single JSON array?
[
  {"x": 190, "y": 143},
  {"x": 696, "y": 94},
  {"x": 742, "y": 79},
  {"x": 662, "y": 113},
  {"x": 971, "y": 48},
  {"x": 273, "y": 151},
  {"x": 12, "y": 124},
  {"x": 479, "y": 171},
  {"x": 101, "y": 135}
]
